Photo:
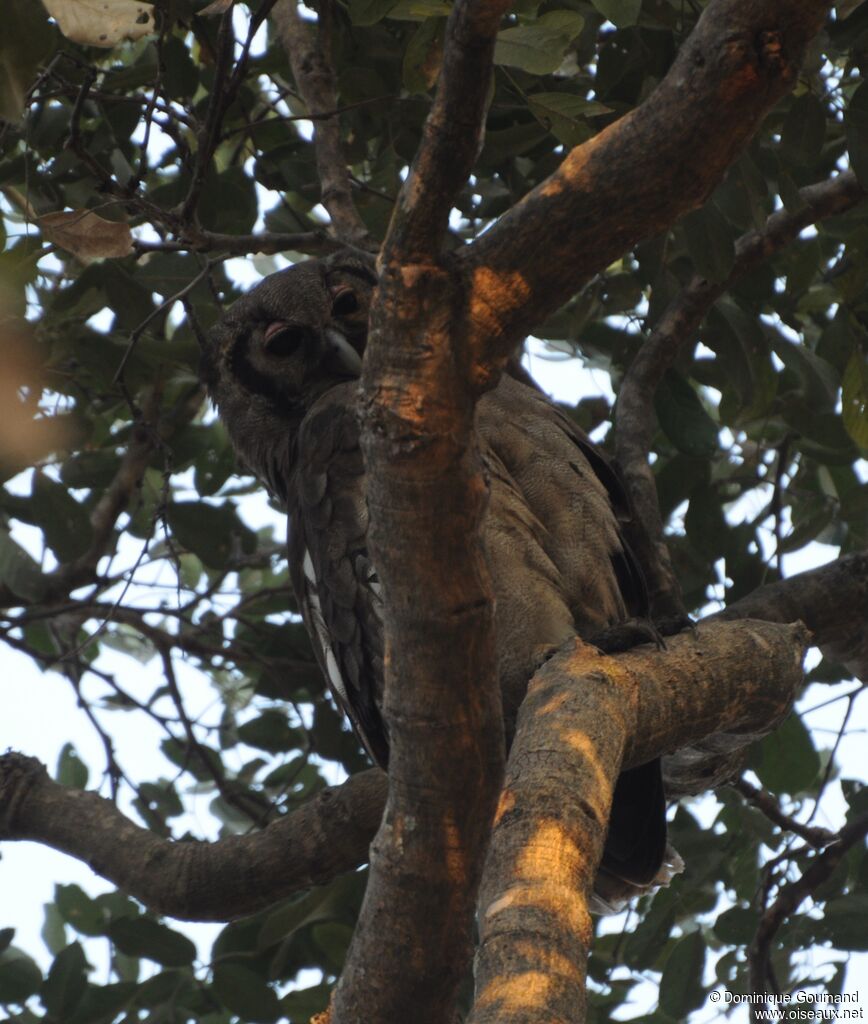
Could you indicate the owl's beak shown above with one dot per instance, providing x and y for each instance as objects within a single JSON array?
[{"x": 346, "y": 356}]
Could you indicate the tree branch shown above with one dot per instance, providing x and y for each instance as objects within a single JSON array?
[
  {"x": 314, "y": 243},
  {"x": 308, "y": 52},
  {"x": 451, "y": 136},
  {"x": 641, "y": 173},
  {"x": 788, "y": 900},
  {"x": 611, "y": 713},
  {"x": 330, "y": 835},
  {"x": 832, "y": 601},
  {"x": 635, "y": 419},
  {"x": 766, "y": 803},
  {"x": 189, "y": 880}
]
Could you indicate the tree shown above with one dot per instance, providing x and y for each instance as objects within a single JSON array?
[{"x": 673, "y": 193}]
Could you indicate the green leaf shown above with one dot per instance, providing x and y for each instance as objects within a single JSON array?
[
  {"x": 804, "y": 129},
  {"x": 856, "y": 125},
  {"x": 786, "y": 761},
  {"x": 854, "y": 398},
  {"x": 19, "y": 976},
  {"x": 27, "y": 39},
  {"x": 622, "y": 13},
  {"x": 818, "y": 379},
  {"x": 304, "y": 1003},
  {"x": 142, "y": 936},
  {"x": 66, "y": 981},
  {"x": 337, "y": 901},
  {"x": 422, "y": 56},
  {"x": 79, "y": 910},
  {"x": 710, "y": 242},
  {"x": 564, "y": 114},
  {"x": 244, "y": 992},
  {"x": 71, "y": 770},
  {"x": 736, "y": 926},
  {"x": 539, "y": 47},
  {"x": 270, "y": 731},
  {"x": 53, "y": 929},
  {"x": 681, "y": 988},
  {"x": 18, "y": 570},
  {"x": 369, "y": 12},
  {"x": 214, "y": 533},
  {"x": 844, "y": 921},
  {"x": 683, "y": 418},
  {"x": 64, "y": 522}
]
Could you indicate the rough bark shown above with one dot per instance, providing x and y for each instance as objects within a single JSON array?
[
  {"x": 643, "y": 172},
  {"x": 191, "y": 880},
  {"x": 586, "y": 716},
  {"x": 832, "y": 601}
]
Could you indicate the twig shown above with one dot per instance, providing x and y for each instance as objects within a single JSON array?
[
  {"x": 261, "y": 810},
  {"x": 789, "y": 898},
  {"x": 162, "y": 308},
  {"x": 635, "y": 420},
  {"x": 765, "y": 802},
  {"x": 209, "y": 135},
  {"x": 451, "y": 136},
  {"x": 314, "y": 243},
  {"x": 310, "y": 58}
]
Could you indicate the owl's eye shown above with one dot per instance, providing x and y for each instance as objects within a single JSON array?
[
  {"x": 345, "y": 302},
  {"x": 283, "y": 339}
]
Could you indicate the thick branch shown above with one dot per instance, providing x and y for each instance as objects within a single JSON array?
[
  {"x": 677, "y": 326},
  {"x": 641, "y": 173},
  {"x": 426, "y": 497},
  {"x": 308, "y": 51},
  {"x": 832, "y": 601},
  {"x": 585, "y": 717},
  {"x": 190, "y": 880},
  {"x": 451, "y": 137}
]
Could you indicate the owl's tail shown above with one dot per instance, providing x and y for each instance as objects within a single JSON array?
[{"x": 637, "y": 857}]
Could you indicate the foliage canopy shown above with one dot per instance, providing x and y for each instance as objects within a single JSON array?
[{"x": 133, "y": 179}]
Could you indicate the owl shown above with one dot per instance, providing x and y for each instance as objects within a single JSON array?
[{"x": 282, "y": 366}]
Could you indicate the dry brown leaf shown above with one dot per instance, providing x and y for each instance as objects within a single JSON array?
[
  {"x": 87, "y": 235},
  {"x": 217, "y": 7},
  {"x": 102, "y": 22}
]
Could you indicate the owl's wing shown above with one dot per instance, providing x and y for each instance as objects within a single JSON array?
[
  {"x": 334, "y": 581},
  {"x": 561, "y": 566}
]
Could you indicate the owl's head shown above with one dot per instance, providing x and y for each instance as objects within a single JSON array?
[{"x": 281, "y": 346}]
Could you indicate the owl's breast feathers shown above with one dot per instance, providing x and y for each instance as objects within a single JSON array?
[{"x": 331, "y": 573}]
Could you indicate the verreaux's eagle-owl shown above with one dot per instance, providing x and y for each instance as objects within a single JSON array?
[{"x": 282, "y": 366}]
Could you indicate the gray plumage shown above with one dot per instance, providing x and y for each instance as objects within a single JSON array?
[{"x": 282, "y": 367}]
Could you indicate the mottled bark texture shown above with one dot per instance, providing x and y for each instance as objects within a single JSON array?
[
  {"x": 832, "y": 601},
  {"x": 585, "y": 717},
  {"x": 191, "y": 880},
  {"x": 643, "y": 172}
]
